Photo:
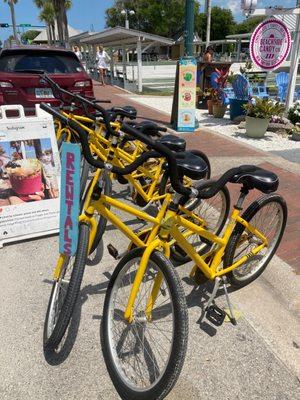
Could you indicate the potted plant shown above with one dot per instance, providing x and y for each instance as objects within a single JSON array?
[
  {"x": 296, "y": 132},
  {"x": 294, "y": 113},
  {"x": 258, "y": 114},
  {"x": 218, "y": 95},
  {"x": 208, "y": 94},
  {"x": 203, "y": 97}
]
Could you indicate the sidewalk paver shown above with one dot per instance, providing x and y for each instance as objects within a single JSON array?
[{"x": 220, "y": 147}]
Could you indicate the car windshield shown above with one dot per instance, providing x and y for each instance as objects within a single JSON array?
[{"x": 54, "y": 63}]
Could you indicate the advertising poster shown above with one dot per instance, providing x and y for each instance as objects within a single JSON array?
[
  {"x": 29, "y": 176},
  {"x": 270, "y": 44},
  {"x": 69, "y": 200},
  {"x": 187, "y": 95}
]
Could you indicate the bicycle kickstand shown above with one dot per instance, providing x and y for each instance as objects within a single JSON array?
[
  {"x": 215, "y": 314},
  {"x": 232, "y": 317}
]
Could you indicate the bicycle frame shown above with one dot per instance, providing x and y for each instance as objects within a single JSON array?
[
  {"x": 119, "y": 157},
  {"x": 100, "y": 206},
  {"x": 170, "y": 227}
]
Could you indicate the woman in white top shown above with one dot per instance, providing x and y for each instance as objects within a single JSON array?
[{"x": 102, "y": 58}]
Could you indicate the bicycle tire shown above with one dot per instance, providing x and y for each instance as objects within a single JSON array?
[
  {"x": 84, "y": 176},
  {"x": 235, "y": 240},
  {"x": 51, "y": 341},
  {"x": 176, "y": 357}
]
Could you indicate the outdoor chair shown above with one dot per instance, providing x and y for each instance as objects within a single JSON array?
[
  {"x": 282, "y": 80},
  {"x": 259, "y": 91},
  {"x": 213, "y": 80},
  {"x": 229, "y": 92}
]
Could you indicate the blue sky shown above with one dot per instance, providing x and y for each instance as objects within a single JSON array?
[{"x": 86, "y": 13}]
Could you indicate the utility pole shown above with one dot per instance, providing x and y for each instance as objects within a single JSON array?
[
  {"x": 294, "y": 63},
  {"x": 189, "y": 28},
  {"x": 208, "y": 15}
]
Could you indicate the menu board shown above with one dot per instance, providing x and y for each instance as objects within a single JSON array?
[
  {"x": 186, "y": 114},
  {"x": 29, "y": 175}
]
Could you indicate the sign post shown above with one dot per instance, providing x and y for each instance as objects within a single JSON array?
[{"x": 183, "y": 116}]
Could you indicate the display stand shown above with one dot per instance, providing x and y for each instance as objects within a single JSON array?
[
  {"x": 29, "y": 175},
  {"x": 183, "y": 116}
]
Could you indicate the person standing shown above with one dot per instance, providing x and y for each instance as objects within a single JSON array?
[
  {"x": 78, "y": 52},
  {"x": 208, "y": 55},
  {"x": 102, "y": 58}
]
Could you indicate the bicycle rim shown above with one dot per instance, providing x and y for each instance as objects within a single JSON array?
[
  {"x": 269, "y": 220},
  {"x": 139, "y": 350},
  {"x": 60, "y": 288}
]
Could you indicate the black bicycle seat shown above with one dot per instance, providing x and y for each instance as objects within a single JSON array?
[
  {"x": 260, "y": 179},
  {"x": 126, "y": 111},
  {"x": 190, "y": 165},
  {"x": 147, "y": 127},
  {"x": 173, "y": 142}
]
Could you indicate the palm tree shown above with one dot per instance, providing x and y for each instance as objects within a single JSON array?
[
  {"x": 11, "y": 4},
  {"x": 60, "y": 7},
  {"x": 67, "y": 6},
  {"x": 47, "y": 15}
]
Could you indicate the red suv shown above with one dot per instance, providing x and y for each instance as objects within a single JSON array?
[{"x": 20, "y": 82}]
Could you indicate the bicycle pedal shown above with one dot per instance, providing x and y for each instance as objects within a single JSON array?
[
  {"x": 215, "y": 315},
  {"x": 113, "y": 251}
]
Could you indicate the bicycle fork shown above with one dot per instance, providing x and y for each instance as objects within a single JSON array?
[{"x": 128, "y": 314}]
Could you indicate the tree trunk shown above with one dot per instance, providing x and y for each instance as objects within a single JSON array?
[
  {"x": 13, "y": 20},
  {"x": 48, "y": 34},
  {"x": 52, "y": 29},
  {"x": 66, "y": 30},
  {"x": 59, "y": 20}
]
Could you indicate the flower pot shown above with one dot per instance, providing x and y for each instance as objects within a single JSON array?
[
  {"x": 202, "y": 103},
  {"x": 296, "y": 136},
  {"x": 219, "y": 110},
  {"x": 210, "y": 107},
  {"x": 256, "y": 127},
  {"x": 236, "y": 108}
]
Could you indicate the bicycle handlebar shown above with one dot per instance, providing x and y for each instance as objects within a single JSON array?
[
  {"x": 86, "y": 148},
  {"x": 160, "y": 150},
  {"x": 84, "y": 102}
]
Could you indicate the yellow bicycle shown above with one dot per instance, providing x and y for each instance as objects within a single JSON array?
[{"x": 144, "y": 326}]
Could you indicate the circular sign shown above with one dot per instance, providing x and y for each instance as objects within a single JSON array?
[{"x": 270, "y": 44}]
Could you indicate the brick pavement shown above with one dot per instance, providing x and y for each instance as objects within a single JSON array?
[{"x": 218, "y": 146}]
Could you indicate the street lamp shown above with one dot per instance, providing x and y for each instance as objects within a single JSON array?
[
  {"x": 248, "y": 6},
  {"x": 125, "y": 13}
]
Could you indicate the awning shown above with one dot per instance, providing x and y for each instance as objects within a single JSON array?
[{"x": 119, "y": 37}]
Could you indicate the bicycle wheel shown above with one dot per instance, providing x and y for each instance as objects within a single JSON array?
[
  {"x": 144, "y": 358},
  {"x": 64, "y": 293},
  {"x": 268, "y": 214},
  {"x": 84, "y": 175},
  {"x": 214, "y": 212}
]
